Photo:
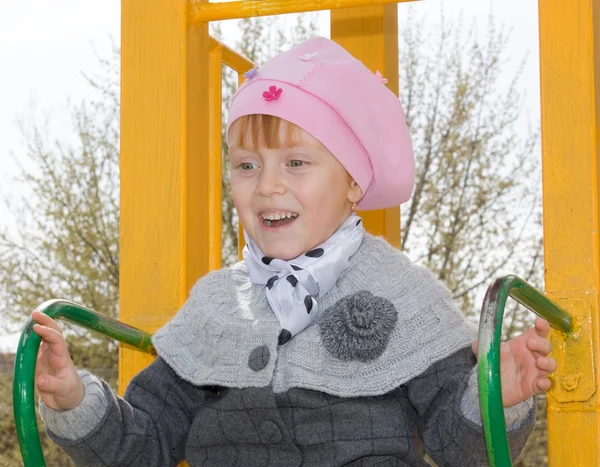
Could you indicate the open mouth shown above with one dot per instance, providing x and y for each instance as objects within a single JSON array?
[{"x": 279, "y": 218}]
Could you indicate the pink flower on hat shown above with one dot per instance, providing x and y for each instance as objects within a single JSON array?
[{"x": 272, "y": 94}]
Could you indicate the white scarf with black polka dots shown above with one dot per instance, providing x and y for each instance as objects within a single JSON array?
[{"x": 293, "y": 285}]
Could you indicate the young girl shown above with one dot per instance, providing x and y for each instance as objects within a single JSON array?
[{"x": 325, "y": 346}]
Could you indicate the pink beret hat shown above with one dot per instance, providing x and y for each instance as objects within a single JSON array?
[{"x": 320, "y": 87}]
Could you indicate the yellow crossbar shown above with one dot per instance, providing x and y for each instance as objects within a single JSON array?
[
  {"x": 231, "y": 58},
  {"x": 205, "y": 12}
]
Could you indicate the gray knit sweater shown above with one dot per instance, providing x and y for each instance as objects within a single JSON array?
[{"x": 386, "y": 325}]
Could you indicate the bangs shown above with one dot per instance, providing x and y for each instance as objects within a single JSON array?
[{"x": 265, "y": 131}]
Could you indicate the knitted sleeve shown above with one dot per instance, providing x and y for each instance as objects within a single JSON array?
[
  {"x": 148, "y": 427},
  {"x": 470, "y": 405},
  {"x": 77, "y": 422},
  {"x": 449, "y": 436}
]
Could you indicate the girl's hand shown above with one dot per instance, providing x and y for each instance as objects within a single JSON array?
[
  {"x": 525, "y": 365},
  {"x": 56, "y": 379}
]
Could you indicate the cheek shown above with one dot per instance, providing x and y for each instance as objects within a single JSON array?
[
  {"x": 322, "y": 205},
  {"x": 239, "y": 197},
  {"x": 328, "y": 193}
]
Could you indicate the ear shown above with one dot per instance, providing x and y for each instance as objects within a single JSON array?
[{"x": 355, "y": 193}]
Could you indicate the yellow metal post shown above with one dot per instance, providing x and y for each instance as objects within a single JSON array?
[
  {"x": 215, "y": 176},
  {"x": 569, "y": 65},
  {"x": 371, "y": 35},
  {"x": 240, "y": 65},
  {"x": 164, "y": 161}
]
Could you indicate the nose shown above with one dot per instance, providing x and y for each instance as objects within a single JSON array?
[{"x": 270, "y": 182}]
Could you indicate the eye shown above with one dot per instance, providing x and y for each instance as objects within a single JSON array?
[
  {"x": 246, "y": 166},
  {"x": 296, "y": 163}
]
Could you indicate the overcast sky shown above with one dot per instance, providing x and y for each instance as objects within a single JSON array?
[{"x": 45, "y": 46}]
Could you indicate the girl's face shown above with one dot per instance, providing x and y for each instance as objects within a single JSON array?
[{"x": 292, "y": 197}]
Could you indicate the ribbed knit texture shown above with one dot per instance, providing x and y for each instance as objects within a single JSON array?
[
  {"x": 469, "y": 405},
  {"x": 77, "y": 422},
  {"x": 226, "y": 318}
]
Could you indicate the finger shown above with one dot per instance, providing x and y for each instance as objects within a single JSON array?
[
  {"x": 42, "y": 366},
  {"x": 51, "y": 385},
  {"x": 546, "y": 364},
  {"x": 42, "y": 348},
  {"x": 542, "y": 385},
  {"x": 475, "y": 347},
  {"x": 55, "y": 342},
  {"x": 45, "y": 320},
  {"x": 542, "y": 327},
  {"x": 539, "y": 345},
  {"x": 50, "y": 335},
  {"x": 44, "y": 355}
]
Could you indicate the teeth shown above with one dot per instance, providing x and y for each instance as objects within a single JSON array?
[{"x": 275, "y": 216}]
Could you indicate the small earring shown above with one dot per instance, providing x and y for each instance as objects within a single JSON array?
[{"x": 354, "y": 206}]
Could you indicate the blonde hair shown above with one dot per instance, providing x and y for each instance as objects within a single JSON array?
[{"x": 259, "y": 130}]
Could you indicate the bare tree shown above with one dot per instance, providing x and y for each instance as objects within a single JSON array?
[
  {"x": 475, "y": 213},
  {"x": 469, "y": 218},
  {"x": 66, "y": 243}
]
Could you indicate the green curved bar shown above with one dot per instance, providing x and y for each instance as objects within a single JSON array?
[
  {"x": 488, "y": 371},
  {"x": 23, "y": 382}
]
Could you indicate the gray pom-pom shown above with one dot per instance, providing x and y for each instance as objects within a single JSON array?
[{"x": 358, "y": 327}]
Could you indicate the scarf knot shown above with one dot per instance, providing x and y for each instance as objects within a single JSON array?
[{"x": 292, "y": 286}]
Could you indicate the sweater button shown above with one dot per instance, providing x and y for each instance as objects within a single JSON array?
[
  {"x": 259, "y": 358},
  {"x": 269, "y": 432}
]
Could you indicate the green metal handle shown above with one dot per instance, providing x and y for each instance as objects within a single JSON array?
[
  {"x": 488, "y": 371},
  {"x": 23, "y": 382}
]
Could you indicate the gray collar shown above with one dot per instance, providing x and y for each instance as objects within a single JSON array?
[{"x": 226, "y": 334}]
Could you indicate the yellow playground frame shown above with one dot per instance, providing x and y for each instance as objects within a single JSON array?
[{"x": 171, "y": 170}]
